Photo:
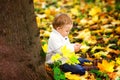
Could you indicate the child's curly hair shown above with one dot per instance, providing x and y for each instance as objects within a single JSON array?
[{"x": 61, "y": 20}]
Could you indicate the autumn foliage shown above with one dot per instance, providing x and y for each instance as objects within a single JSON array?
[{"x": 96, "y": 25}]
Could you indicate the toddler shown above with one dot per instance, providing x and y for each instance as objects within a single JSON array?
[{"x": 62, "y": 25}]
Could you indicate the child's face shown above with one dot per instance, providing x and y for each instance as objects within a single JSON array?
[{"x": 64, "y": 31}]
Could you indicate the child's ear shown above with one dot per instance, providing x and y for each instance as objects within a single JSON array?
[{"x": 58, "y": 28}]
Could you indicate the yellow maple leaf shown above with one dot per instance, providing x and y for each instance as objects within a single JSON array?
[
  {"x": 83, "y": 21},
  {"x": 50, "y": 11},
  {"x": 95, "y": 18},
  {"x": 38, "y": 22},
  {"x": 95, "y": 10},
  {"x": 91, "y": 40},
  {"x": 46, "y": 34},
  {"x": 117, "y": 30},
  {"x": 74, "y": 11},
  {"x": 96, "y": 47},
  {"x": 106, "y": 66},
  {"x": 117, "y": 60},
  {"x": 85, "y": 34},
  {"x": 45, "y": 47},
  {"x": 70, "y": 76},
  {"x": 99, "y": 54},
  {"x": 84, "y": 48}
]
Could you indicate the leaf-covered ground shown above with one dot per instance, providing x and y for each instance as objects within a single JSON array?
[{"x": 96, "y": 27}]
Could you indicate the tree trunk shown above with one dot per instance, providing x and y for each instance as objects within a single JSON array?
[{"x": 19, "y": 42}]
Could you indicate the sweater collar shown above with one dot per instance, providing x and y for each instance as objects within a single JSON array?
[{"x": 55, "y": 31}]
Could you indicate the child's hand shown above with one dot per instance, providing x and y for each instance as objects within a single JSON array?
[{"x": 77, "y": 47}]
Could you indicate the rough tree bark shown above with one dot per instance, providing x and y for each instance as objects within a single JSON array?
[{"x": 19, "y": 42}]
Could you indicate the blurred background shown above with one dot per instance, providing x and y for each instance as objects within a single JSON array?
[
  {"x": 95, "y": 22},
  {"x": 96, "y": 25}
]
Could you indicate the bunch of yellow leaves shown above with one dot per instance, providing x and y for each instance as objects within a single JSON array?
[
  {"x": 106, "y": 66},
  {"x": 56, "y": 57},
  {"x": 66, "y": 51},
  {"x": 68, "y": 56},
  {"x": 71, "y": 57}
]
